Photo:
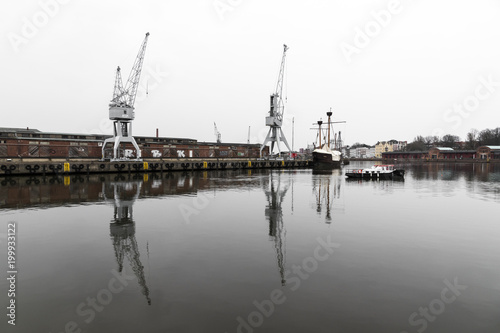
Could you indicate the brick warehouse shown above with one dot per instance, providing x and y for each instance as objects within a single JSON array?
[
  {"x": 32, "y": 143},
  {"x": 444, "y": 153}
]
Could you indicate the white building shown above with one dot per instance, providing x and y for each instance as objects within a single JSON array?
[{"x": 363, "y": 152}]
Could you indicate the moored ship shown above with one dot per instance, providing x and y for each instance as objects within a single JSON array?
[{"x": 325, "y": 156}]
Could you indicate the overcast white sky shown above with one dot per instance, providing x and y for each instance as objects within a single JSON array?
[{"x": 217, "y": 61}]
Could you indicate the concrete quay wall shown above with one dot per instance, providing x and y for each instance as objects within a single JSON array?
[{"x": 83, "y": 166}]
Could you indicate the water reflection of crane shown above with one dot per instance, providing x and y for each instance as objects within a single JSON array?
[
  {"x": 326, "y": 188},
  {"x": 275, "y": 195},
  {"x": 122, "y": 228}
]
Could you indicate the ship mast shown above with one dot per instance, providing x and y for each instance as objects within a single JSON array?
[
  {"x": 320, "y": 122},
  {"x": 329, "y": 114},
  {"x": 330, "y": 125}
]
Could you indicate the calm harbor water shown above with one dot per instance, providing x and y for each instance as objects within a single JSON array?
[{"x": 256, "y": 251}]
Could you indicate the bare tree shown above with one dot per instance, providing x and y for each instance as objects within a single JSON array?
[
  {"x": 450, "y": 140},
  {"x": 429, "y": 140},
  {"x": 486, "y": 137},
  {"x": 471, "y": 139},
  {"x": 418, "y": 144}
]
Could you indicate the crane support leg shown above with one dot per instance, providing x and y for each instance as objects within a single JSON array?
[
  {"x": 271, "y": 137},
  {"x": 277, "y": 137},
  {"x": 283, "y": 138},
  {"x": 136, "y": 148},
  {"x": 115, "y": 148}
]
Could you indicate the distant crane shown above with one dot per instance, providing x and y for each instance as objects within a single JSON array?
[
  {"x": 217, "y": 133},
  {"x": 121, "y": 107},
  {"x": 275, "y": 118}
]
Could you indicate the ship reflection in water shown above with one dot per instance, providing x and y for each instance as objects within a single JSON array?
[
  {"x": 399, "y": 242},
  {"x": 326, "y": 188},
  {"x": 123, "y": 194}
]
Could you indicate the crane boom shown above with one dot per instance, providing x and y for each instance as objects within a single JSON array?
[
  {"x": 126, "y": 95},
  {"x": 279, "y": 87},
  {"x": 135, "y": 73},
  {"x": 217, "y": 133},
  {"x": 118, "y": 90}
]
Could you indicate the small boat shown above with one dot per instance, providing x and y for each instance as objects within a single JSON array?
[{"x": 379, "y": 171}]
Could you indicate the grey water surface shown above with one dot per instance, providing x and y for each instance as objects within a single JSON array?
[{"x": 290, "y": 250}]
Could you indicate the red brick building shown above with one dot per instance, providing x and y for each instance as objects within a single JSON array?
[
  {"x": 445, "y": 153},
  {"x": 32, "y": 143},
  {"x": 488, "y": 152}
]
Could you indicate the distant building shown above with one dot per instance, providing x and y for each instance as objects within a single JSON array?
[
  {"x": 346, "y": 151},
  {"x": 450, "y": 153},
  {"x": 405, "y": 155},
  {"x": 445, "y": 153},
  {"x": 488, "y": 152},
  {"x": 363, "y": 152},
  {"x": 389, "y": 146},
  {"x": 32, "y": 143},
  {"x": 440, "y": 152}
]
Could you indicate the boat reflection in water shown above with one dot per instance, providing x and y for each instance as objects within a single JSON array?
[
  {"x": 123, "y": 194},
  {"x": 326, "y": 187},
  {"x": 220, "y": 273},
  {"x": 275, "y": 193}
]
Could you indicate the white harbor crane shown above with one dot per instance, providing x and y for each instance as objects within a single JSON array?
[
  {"x": 121, "y": 108},
  {"x": 217, "y": 133},
  {"x": 275, "y": 118}
]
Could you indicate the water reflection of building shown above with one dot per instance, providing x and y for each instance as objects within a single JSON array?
[
  {"x": 122, "y": 227},
  {"x": 38, "y": 191},
  {"x": 483, "y": 172},
  {"x": 275, "y": 194},
  {"x": 326, "y": 187}
]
